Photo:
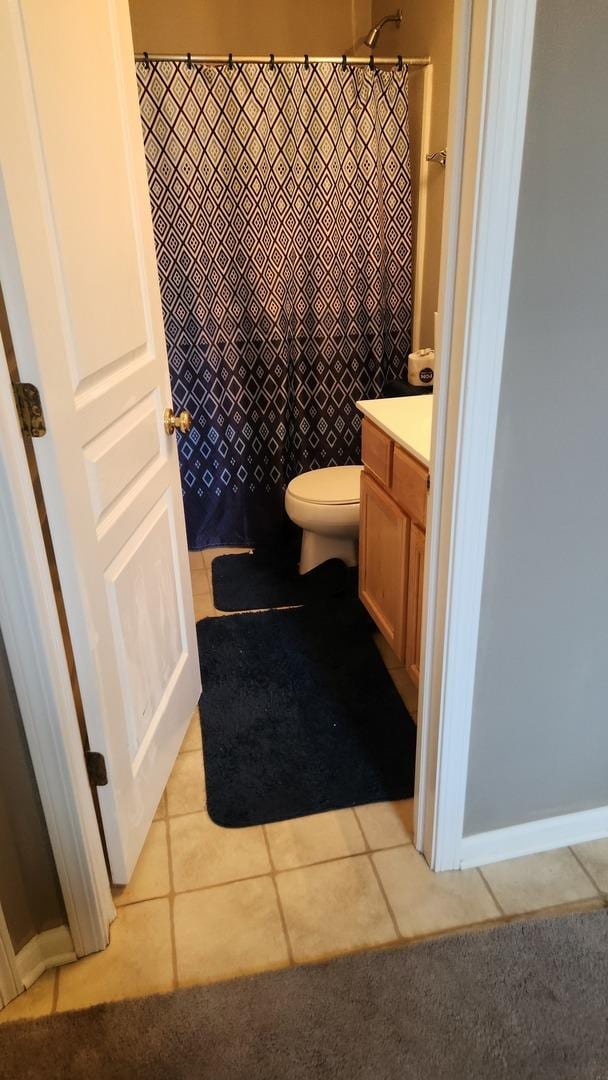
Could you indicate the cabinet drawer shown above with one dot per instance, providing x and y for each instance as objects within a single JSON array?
[
  {"x": 408, "y": 486},
  {"x": 376, "y": 452}
]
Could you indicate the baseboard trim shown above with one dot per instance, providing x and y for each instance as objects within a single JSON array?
[
  {"x": 46, "y": 950},
  {"x": 533, "y": 837}
]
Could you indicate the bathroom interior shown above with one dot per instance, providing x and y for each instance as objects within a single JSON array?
[
  {"x": 296, "y": 190},
  {"x": 296, "y": 164},
  {"x": 296, "y": 169}
]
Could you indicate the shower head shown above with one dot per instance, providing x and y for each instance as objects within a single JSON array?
[{"x": 373, "y": 35}]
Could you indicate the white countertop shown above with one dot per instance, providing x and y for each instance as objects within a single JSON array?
[{"x": 406, "y": 419}]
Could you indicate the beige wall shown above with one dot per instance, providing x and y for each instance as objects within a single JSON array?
[
  {"x": 426, "y": 30},
  {"x": 210, "y": 27},
  {"x": 539, "y": 737}
]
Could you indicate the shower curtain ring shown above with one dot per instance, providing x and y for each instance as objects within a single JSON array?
[
  {"x": 306, "y": 63},
  {"x": 272, "y": 61},
  {"x": 371, "y": 62},
  {"x": 230, "y": 64},
  {"x": 399, "y": 63},
  {"x": 146, "y": 61},
  {"x": 189, "y": 61},
  {"x": 344, "y": 65}
]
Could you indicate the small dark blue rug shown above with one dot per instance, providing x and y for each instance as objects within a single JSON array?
[
  {"x": 299, "y": 715},
  {"x": 267, "y": 579}
]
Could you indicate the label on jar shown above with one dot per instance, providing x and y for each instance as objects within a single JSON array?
[{"x": 425, "y": 375}]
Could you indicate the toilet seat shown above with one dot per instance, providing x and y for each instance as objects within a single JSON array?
[{"x": 338, "y": 485}]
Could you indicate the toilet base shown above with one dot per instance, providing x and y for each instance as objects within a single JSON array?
[{"x": 316, "y": 549}]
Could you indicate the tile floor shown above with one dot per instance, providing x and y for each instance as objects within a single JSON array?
[{"x": 207, "y": 903}]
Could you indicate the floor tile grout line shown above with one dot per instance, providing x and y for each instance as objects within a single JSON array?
[
  {"x": 361, "y": 829},
  {"x": 490, "y": 889},
  {"x": 171, "y": 898},
  {"x": 276, "y": 872},
  {"x": 384, "y": 894},
  {"x": 570, "y": 905},
  {"x": 197, "y": 750},
  {"x": 587, "y": 872},
  {"x": 58, "y": 977},
  {"x": 340, "y": 858},
  {"x": 55, "y": 994},
  {"x": 275, "y": 886}
]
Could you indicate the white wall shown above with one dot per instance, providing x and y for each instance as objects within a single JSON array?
[{"x": 539, "y": 740}]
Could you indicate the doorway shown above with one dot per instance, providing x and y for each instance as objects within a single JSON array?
[{"x": 203, "y": 174}]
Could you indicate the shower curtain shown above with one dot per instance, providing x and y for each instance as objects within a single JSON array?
[{"x": 282, "y": 218}]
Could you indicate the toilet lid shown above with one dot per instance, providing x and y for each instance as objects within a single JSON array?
[{"x": 338, "y": 484}]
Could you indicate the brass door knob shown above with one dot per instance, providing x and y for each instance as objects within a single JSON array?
[{"x": 183, "y": 421}]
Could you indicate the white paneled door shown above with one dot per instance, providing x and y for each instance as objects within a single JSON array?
[{"x": 81, "y": 287}]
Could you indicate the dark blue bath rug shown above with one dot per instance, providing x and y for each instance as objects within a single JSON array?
[
  {"x": 299, "y": 715},
  {"x": 269, "y": 578}
]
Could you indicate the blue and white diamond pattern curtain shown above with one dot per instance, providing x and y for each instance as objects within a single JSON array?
[{"x": 282, "y": 217}]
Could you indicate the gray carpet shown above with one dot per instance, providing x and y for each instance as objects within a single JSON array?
[{"x": 525, "y": 1000}]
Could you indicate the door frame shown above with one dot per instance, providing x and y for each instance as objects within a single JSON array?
[
  {"x": 34, "y": 645},
  {"x": 490, "y": 79}
]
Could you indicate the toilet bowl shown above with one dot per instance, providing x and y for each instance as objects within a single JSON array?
[{"x": 325, "y": 504}]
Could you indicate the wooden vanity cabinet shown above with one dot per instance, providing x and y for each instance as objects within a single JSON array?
[{"x": 391, "y": 543}]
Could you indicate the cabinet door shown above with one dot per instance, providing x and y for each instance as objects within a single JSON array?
[
  {"x": 414, "y": 603},
  {"x": 383, "y": 562}
]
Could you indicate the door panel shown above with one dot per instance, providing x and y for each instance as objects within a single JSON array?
[
  {"x": 383, "y": 556},
  {"x": 84, "y": 305},
  {"x": 414, "y": 603}
]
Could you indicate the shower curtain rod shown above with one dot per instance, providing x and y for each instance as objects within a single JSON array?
[{"x": 350, "y": 61}]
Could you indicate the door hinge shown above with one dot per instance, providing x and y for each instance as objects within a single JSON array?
[
  {"x": 96, "y": 768},
  {"x": 428, "y": 481},
  {"x": 29, "y": 409}
]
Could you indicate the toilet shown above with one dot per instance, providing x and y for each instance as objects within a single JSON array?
[{"x": 325, "y": 504}]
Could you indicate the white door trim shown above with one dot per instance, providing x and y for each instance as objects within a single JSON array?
[
  {"x": 34, "y": 646},
  {"x": 532, "y": 836},
  {"x": 49, "y": 949},
  {"x": 489, "y": 96},
  {"x": 10, "y": 984},
  {"x": 18, "y": 971}
]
